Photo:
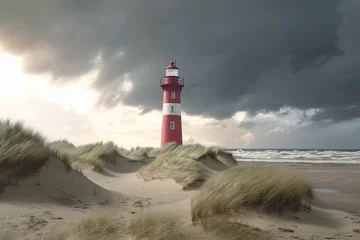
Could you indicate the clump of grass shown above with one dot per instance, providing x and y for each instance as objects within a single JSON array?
[
  {"x": 157, "y": 227},
  {"x": 161, "y": 226},
  {"x": 135, "y": 154},
  {"x": 219, "y": 228},
  {"x": 194, "y": 151},
  {"x": 183, "y": 170},
  {"x": 20, "y": 145},
  {"x": 252, "y": 186},
  {"x": 91, "y": 156},
  {"x": 183, "y": 163},
  {"x": 95, "y": 226},
  {"x": 22, "y": 152}
]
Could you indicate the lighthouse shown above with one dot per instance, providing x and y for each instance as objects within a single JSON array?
[{"x": 171, "y": 86}]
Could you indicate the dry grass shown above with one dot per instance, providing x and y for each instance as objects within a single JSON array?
[
  {"x": 96, "y": 226},
  {"x": 91, "y": 156},
  {"x": 157, "y": 227},
  {"x": 219, "y": 228},
  {"x": 21, "y": 146},
  {"x": 181, "y": 163},
  {"x": 183, "y": 170},
  {"x": 22, "y": 152},
  {"x": 135, "y": 154},
  {"x": 194, "y": 151},
  {"x": 95, "y": 155},
  {"x": 253, "y": 186}
]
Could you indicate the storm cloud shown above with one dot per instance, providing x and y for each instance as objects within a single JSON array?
[{"x": 254, "y": 56}]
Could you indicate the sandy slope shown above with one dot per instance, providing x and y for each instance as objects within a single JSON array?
[{"x": 56, "y": 196}]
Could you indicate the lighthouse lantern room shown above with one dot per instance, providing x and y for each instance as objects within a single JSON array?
[{"x": 171, "y": 86}]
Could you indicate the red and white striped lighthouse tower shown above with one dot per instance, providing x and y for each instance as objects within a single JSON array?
[{"x": 171, "y": 85}]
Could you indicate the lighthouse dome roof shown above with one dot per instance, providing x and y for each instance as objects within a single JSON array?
[{"x": 172, "y": 66}]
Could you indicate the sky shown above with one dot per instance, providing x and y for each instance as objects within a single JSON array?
[{"x": 258, "y": 73}]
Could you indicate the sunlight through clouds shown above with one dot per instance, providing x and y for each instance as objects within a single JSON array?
[
  {"x": 77, "y": 95},
  {"x": 68, "y": 110}
]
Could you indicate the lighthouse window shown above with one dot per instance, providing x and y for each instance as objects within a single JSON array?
[
  {"x": 172, "y": 72},
  {"x": 172, "y": 95},
  {"x": 172, "y": 125},
  {"x": 172, "y": 109}
]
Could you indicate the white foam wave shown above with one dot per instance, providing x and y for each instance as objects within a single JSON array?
[{"x": 311, "y": 156}]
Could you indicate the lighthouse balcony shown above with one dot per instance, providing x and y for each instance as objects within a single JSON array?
[{"x": 165, "y": 81}]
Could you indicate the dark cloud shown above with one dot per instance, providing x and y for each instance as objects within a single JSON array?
[{"x": 255, "y": 55}]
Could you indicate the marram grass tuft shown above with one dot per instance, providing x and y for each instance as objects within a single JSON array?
[{"x": 251, "y": 186}]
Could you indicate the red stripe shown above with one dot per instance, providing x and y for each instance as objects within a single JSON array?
[{"x": 168, "y": 135}]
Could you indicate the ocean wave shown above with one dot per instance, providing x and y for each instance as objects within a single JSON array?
[{"x": 313, "y": 156}]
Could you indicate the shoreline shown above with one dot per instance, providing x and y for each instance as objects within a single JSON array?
[{"x": 297, "y": 162}]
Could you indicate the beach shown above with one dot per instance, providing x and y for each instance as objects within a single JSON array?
[
  {"x": 336, "y": 184},
  {"x": 60, "y": 191},
  {"x": 26, "y": 216}
]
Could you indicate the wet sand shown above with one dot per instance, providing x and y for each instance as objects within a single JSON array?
[{"x": 336, "y": 184}]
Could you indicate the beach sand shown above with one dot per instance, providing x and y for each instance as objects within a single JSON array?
[{"x": 58, "y": 197}]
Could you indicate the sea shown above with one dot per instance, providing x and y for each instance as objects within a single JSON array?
[{"x": 297, "y": 155}]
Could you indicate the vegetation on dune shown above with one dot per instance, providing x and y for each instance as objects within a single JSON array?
[
  {"x": 86, "y": 156},
  {"x": 21, "y": 146},
  {"x": 95, "y": 155},
  {"x": 157, "y": 227},
  {"x": 219, "y": 228},
  {"x": 95, "y": 226},
  {"x": 135, "y": 154},
  {"x": 194, "y": 151},
  {"x": 181, "y": 163},
  {"x": 183, "y": 170},
  {"x": 253, "y": 186},
  {"x": 22, "y": 152}
]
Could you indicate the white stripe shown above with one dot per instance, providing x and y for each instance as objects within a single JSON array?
[{"x": 171, "y": 109}]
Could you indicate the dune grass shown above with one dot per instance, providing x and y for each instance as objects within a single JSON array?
[
  {"x": 194, "y": 151},
  {"x": 219, "y": 228},
  {"x": 21, "y": 146},
  {"x": 181, "y": 163},
  {"x": 252, "y": 186},
  {"x": 161, "y": 226},
  {"x": 157, "y": 227},
  {"x": 95, "y": 226},
  {"x": 183, "y": 170},
  {"x": 22, "y": 152},
  {"x": 135, "y": 154},
  {"x": 91, "y": 156}
]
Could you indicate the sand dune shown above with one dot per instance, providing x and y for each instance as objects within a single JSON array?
[
  {"x": 54, "y": 182},
  {"x": 49, "y": 190}
]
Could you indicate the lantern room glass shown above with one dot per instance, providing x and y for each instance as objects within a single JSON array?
[{"x": 172, "y": 72}]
